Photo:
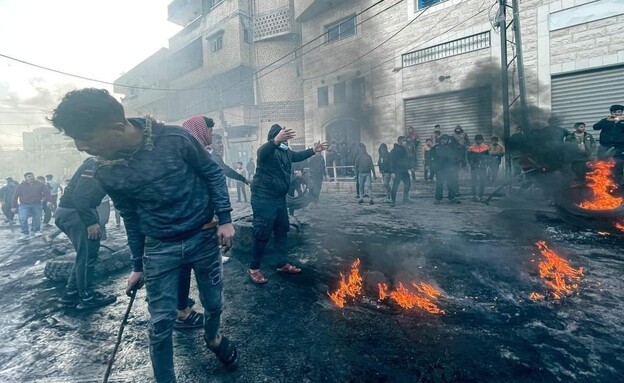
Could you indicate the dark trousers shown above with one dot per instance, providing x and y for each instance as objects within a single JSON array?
[
  {"x": 104, "y": 213},
  {"x": 269, "y": 216},
  {"x": 47, "y": 213},
  {"x": 6, "y": 210},
  {"x": 448, "y": 176},
  {"x": 81, "y": 278},
  {"x": 494, "y": 169},
  {"x": 429, "y": 174},
  {"x": 477, "y": 181},
  {"x": 315, "y": 186},
  {"x": 240, "y": 189},
  {"x": 399, "y": 177}
]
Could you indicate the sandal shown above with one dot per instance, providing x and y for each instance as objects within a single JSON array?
[
  {"x": 193, "y": 320},
  {"x": 257, "y": 277},
  {"x": 226, "y": 353},
  {"x": 289, "y": 269}
]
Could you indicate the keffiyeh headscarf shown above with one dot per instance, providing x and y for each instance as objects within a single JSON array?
[{"x": 197, "y": 126}]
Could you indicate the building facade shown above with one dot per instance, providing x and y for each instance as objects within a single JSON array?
[
  {"x": 211, "y": 68},
  {"x": 377, "y": 72}
]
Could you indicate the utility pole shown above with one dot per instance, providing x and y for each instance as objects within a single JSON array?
[{"x": 506, "y": 62}]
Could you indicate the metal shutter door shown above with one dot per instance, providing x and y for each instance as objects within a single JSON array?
[
  {"x": 472, "y": 109},
  {"x": 586, "y": 96}
]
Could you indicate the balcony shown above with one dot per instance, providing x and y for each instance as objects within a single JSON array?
[
  {"x": 183, "y": 12},
  {"x": 307, "y": 9}
]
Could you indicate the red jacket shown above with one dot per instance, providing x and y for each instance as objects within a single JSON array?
[{"x": 31, "y": 193}]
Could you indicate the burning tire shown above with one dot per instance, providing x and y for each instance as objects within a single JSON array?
[
  {"x": 60, "y": 268},
  {"x": 568, "y": 204}
]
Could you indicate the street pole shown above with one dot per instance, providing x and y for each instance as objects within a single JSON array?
[
  {"x": 502, "y": 22},
  {"x": 524, "y": 119}
]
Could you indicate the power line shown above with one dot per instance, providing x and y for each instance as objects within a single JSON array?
[{"x": 186, "y": 89}]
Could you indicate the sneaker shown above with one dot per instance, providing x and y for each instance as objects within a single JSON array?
[
  {"x": 371, "y": 202},
  {"x": 366, "y": 196},
  {"x": 225, "y": 259},
  {"x": 94, "y": 300},
  {"x": 24, "y": 238},
  {"x": 361, "y": 201},
  {"x": 70, "y": 298}
]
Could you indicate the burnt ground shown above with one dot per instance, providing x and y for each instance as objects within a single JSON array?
[{"x": 482, "y": 258}]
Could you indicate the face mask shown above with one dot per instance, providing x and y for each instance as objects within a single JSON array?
[{"x": 283, "y": 146}]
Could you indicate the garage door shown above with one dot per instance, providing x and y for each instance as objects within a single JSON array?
[
  {"x": 472, "y": 109},
  {"x": 586, "y": 96}
]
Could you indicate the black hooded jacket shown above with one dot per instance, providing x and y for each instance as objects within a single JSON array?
[
  {"x": 274, "y": 168},
  {"x": 399, "y": 160},
  {"x": 611, "y": 132}
]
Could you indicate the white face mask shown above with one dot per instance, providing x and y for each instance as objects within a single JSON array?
[{"x": 283, "y": 146}]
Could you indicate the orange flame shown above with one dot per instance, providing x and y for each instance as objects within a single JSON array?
[
  {"x": 619, "y": 226},
  {"x": 557, "y": 273},
  {"x": 602, "y": 185},
  {"x": 350, "y": 287},
  {"x": 537, "y": 296},
  {"x": 406, "y": 299}
]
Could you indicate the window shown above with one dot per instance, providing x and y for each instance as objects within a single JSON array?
[
  {"x": 358, "y": 89},
  {"x": 186, "y": 59},
  {"x": 420, "y": 4},
  {"x": 216, "y": 43},
  {"x": 323, "y": 96},
  {"x": 247, "y": 35},
  {"x": 340, "y": 93},
  {"x": 341, "y": 29}
]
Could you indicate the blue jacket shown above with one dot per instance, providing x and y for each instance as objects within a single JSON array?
[{"x": 166, "y": 190}]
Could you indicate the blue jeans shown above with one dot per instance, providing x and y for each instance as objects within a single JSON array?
[
  {"x": 34, "y": 211},
  {"x": 366, "y": 186},
  {"x": 162, "y": 263}
]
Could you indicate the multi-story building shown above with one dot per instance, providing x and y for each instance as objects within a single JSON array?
[
  {"x": 417, "y": 63},
  {"x": 46, "y": 151},
  {"x": 211, "y": 68}
]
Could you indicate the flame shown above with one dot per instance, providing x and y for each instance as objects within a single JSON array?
[
  {"x": 557, "y": 273},
  {"x": 350, "y": 287},
  {"x": 537, "y": 296},
  {"x": 406, "y": 299},
  {"x": 619, "y": 226},
  {"x": 602, "y": 186}
]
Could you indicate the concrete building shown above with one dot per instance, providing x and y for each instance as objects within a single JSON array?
[
  {"x": 211, "y": 69},
  {"x": 441, "y": 67}
]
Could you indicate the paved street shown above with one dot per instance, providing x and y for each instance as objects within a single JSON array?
[{"x": 482, "y": 258}]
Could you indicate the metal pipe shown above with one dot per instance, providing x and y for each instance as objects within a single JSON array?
[
  {"x": 520, "y": 62},
  {"x": 502, "y": 17}
]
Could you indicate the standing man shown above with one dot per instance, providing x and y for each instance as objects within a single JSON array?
[
  {"x": 318, "y": 172},
  {"x": 240, "y": 185},
  {"x": 27, "y": 202},
  {"x": 168, "y": 190},
  {"x": 251, "y": 168},
  {"x": 385, "y": 168},
  {"x": 435, "y": 136},
  {"x": 55, "y": 186},
  {"x": 6, "y": 198},
  {"x": 363, "y": 168},
  {"x": 429, "y": 174},
  {"x": 47, "y": 207},
  {"x": 497, "y": 152},
  {"x": 400, "y": 170},
  {"x": 478, "y": 158},
  {"x": 268, "y": 198},
  {"x": 461, "y": 142},
  {"x": 445, "y": 164},
  {"x": 78, "y": 218},
  {"x": 612, "y": 138}
]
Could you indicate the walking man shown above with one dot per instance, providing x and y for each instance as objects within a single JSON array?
[
  {"x": 251, "y": 169},
  {"x": 363, "y": 168},
  {"x": 400, "y": 170},
  {"x": 6, "y": 198},
  {"x": 612, "y": 138},
  {"x": 55, "y": 186},
  {"x": 478, "y": 158},
  {"x": 318, "y": 172},
  {"x": 27, "y": 202},
  {"x": 168, "y": 189},
  {"x": 78, "y": 218},
  {"x": 268, "y": 198},
  {"x": 385, "y": 168}
]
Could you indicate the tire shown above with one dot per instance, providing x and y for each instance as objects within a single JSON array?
[{"x": 59, "y": 268}]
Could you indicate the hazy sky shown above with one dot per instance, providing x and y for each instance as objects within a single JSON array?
[{"x": 92, "y": 38}]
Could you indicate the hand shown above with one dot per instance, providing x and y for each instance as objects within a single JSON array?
[
  {"x": 225, "y": 234},
  {"x": 247, "y": 182},
  {"x": 320, "y": 146},
  {"x": 135, "y": 282},
  {"x": 94, "y": 232},
  {"x": 284, "y": 135}
]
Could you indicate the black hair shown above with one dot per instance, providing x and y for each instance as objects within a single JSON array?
[
  {"x": 28, "y": 173},
  {"x": 383, "y": 147},
  {"x": 209, "y": 122},
  {"x": 436, "y": 126},
  {"x": 479, "y": 137},
  {"x": 83, "y": 111},
  {"x": 428, "y": 139},
  {"x": 494, "y": 138},
  {"x": 577, "y": 124},
  {"x": 615, "y": 108},
  {"x": 49, "y": 176}
]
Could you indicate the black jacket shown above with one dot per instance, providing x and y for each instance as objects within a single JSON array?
[
  {"x": 444, "y": 157},
  {"x": 611, "y": 132},
  {"x": 384, "y": 163},
  {"x": 399, "y": 160},
  {"x": 272, "y": 178},
  {"x": 84, "y": 193},
  {"x": 168, "y": 191},
  {"x": 6, "y": 194},
  {"x": 364, "y": 164},
  {"x": 228, "y": 171},
  {"x": 317, "y": 167}
]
